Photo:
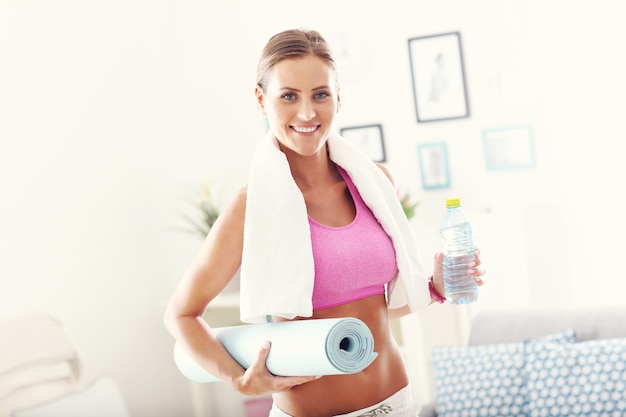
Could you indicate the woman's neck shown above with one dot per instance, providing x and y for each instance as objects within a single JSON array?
[{"x": 312, "y": 171}]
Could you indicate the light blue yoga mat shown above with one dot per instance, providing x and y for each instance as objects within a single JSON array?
[{"x": 299, "y": 348}]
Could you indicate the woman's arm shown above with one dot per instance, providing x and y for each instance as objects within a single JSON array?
[
  {"x": 476, "y": 270},
  {"x": 207, "y": 275}
]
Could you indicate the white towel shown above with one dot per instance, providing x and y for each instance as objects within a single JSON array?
[
  {"x": 277, "y": 270},
  {"x": 34, "y": 340},
  {"x": 38, "y": 361}
]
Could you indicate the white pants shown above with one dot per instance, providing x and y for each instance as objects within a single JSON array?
[{"x": 400, "y": 404}]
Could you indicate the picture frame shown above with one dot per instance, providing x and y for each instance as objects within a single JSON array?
[
  {"x": 368, "y": 138},
  {"x": 433, "y": 163},
  {"x": 438, "y": 77},
  {"x": 509, "y": 148}
]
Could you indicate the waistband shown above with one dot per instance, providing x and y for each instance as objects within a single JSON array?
[{"x": 399, "y": 404}]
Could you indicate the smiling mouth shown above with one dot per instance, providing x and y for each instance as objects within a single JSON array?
[{"x": 307, "y": 129}]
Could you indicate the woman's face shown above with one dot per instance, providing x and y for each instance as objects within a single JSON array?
[{"x": 300, "y": 102}]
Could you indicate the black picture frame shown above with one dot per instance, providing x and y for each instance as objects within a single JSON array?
[
  {"x": 368, "y": 138},
  {"x": 438, "y": 77}
]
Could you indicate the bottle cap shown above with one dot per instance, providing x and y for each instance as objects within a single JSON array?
[{"x": 453, "y": 202}]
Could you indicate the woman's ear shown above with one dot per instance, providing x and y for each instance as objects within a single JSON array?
[{"x": 260, "y": 99}]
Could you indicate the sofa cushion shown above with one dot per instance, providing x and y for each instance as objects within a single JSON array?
[
  {"x": 484, "y": 380},
  {"x": 579, "y": 379}
]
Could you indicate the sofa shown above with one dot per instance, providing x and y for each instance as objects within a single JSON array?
[{"x": 534, "y": 362}]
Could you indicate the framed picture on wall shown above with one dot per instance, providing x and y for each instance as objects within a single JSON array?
[
  {"x": 438, "y": 77},
  {"x": 509, "y": 148},
  {"x": 433, "y": 162},
  {"x": 368, "y": 138}
]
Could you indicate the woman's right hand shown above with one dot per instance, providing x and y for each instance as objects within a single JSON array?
[{"x": 257, "y": 379}]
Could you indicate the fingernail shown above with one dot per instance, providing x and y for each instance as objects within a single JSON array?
[
  {"x": 318, "y": 377},
  {"x": 266, "y": 345}
]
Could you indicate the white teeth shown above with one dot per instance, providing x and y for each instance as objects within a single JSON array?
[{"x": 304, "y": 129}]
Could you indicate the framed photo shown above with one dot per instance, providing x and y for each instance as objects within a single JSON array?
[
  {"x": 438, "y": 77},
  {"x": 509, "y": 148},
  {"x": 433, "y": 160},
  {"x": 368, "y": 138}
]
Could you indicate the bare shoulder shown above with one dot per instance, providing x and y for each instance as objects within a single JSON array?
[
  {"x": 387, "y": 173},
  {"x": 224, "y": 243},
  {"x": 234, "y": 212},
  {"x": 239, "y": 200}
]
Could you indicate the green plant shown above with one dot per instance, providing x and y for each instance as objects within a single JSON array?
[
  {"x": 206, "y": 213},
  {"x": 408, "y": 206}
]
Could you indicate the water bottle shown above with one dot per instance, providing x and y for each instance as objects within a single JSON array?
[{"x": 458, "y": 250}]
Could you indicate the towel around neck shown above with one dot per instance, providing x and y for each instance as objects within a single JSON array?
[{"x": 277, "y": 270}]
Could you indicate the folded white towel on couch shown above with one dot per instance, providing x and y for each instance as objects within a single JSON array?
[
  {"x": 277, "y": 268},
  {"x": 38, "y": 361},
  {"x": 34, "y": 339}
]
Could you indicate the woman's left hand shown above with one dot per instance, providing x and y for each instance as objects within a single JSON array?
[{"x": 476, "y": 269}]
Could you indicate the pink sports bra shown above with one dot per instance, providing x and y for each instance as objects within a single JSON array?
[{"x": 353, "y": 261}]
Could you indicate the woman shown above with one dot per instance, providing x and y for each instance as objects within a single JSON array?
[{"x": 297, "y": 90}]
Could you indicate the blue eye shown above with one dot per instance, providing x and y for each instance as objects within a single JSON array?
[
  {"x": 289, "y": 96},
  {"x": 321, "y": 96}
]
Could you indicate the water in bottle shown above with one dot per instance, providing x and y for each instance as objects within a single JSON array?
[{"x": 458, "y": 249}]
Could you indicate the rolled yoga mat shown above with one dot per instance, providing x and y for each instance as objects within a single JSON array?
[{"x": 299, "y": 348}]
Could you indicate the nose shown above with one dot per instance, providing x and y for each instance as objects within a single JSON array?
[{"x": 306, "y": 110}]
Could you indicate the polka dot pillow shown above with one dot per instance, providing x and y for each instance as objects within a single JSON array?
[
  {"x": 580, "y": 379},
  {"x": 484, "y": 380}
]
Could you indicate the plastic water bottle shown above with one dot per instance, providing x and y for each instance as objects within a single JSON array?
[{"x": 458, "y": 249}]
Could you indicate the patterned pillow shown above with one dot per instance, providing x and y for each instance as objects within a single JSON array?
[
  {"x": 484, "y": 380},
  {"x": 581, "y": 379}
]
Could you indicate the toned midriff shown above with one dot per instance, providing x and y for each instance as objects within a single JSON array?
[{"x": 339, "y": 394}]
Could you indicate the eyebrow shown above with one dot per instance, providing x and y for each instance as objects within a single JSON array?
[{"x": 321, "y": 87}]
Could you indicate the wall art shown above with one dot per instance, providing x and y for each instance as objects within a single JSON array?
[
  {"x": 509, "y": 148},
  {"x": 368, "y": 138},
  {"x": 438, "y": 77},
  {"x": 433, "y": 162}
]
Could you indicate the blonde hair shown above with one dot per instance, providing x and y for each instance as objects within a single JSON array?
[{"x": 289, "y": 44}]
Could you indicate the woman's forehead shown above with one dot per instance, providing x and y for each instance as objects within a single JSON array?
[{"x": 307, "y": 72}]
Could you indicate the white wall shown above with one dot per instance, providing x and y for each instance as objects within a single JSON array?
[{"x": 112, "y": 113}]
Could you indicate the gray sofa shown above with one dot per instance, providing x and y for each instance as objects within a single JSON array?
[{"x": 513, "y": 331}]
